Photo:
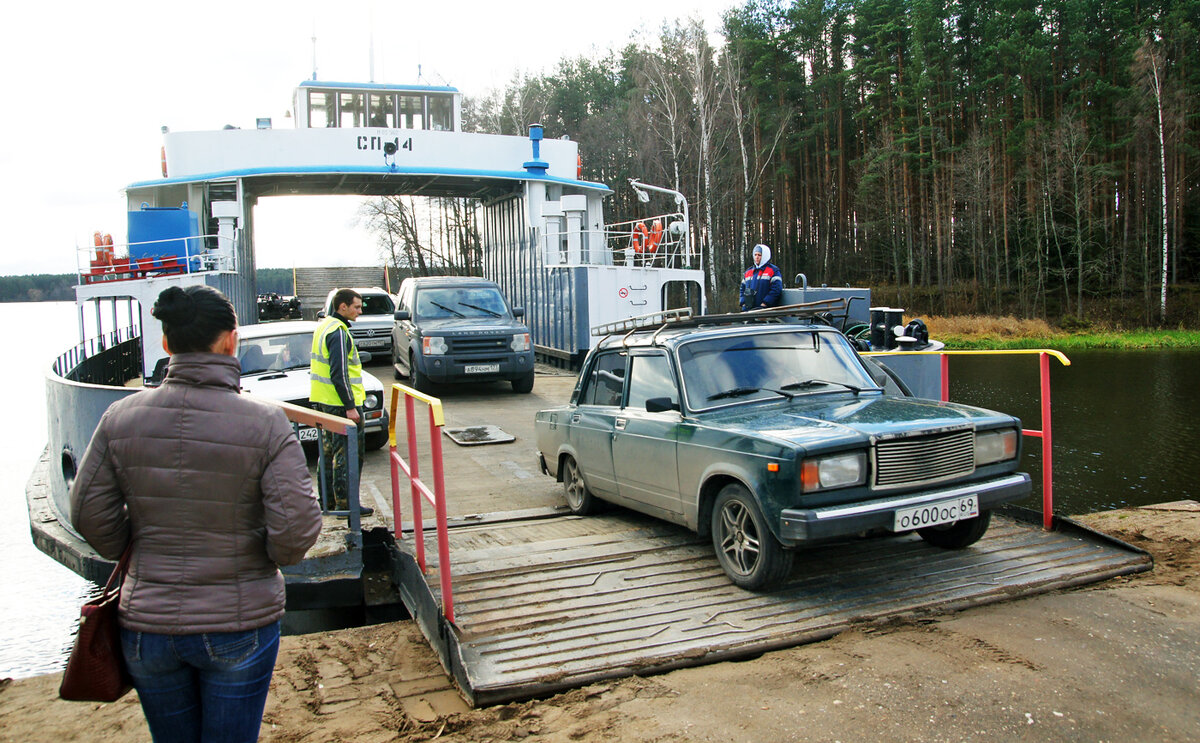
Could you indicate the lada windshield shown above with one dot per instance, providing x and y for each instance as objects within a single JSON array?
[
  {"x": 469, "y": 301},
  {"x": 734, "y": 369}
]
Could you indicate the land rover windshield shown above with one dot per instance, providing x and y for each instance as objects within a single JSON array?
[
  {"x": 750, "y": 367},
  {"x": 453, "y": 302}
]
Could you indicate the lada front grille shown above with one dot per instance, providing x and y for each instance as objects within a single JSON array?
[
  {"x": 484, "y": 344},
  {"x": 920, "y": 460}
]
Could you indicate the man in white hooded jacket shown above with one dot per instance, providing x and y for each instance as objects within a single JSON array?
[{"x": 762, "y": 285}]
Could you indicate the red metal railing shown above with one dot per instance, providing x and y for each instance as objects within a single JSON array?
[
  {"x": 1044, "y": 433},
  {"x": 419, "y": 490}
]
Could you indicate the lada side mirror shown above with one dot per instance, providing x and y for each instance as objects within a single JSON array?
[
  {"x": 518, "y": 312},
  {"x": 401, "y": 315},
  {"x": 660, "y": 405},
  {"x": 364, "y": 357},
  {"x": 320, "y": 314}
]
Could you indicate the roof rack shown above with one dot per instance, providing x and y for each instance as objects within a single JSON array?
[
  {"x": 797, "y": 311},
  {"x": 644, "y": 321}
]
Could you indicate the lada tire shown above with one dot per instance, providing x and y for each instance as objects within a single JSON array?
[
  {"x": 745, "y": 547},
  {"x": 579, "y": 499},
  {"x": 958, "y": 535},
  {"x": 523, "y": 385}
]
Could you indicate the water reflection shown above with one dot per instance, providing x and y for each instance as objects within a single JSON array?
[{"x": 1125, "y": 423}]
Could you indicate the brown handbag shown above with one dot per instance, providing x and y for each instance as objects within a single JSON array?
[{"x": 96, "y": 669}]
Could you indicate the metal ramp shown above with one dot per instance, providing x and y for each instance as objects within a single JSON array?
[{"x": 548, "y": 604}]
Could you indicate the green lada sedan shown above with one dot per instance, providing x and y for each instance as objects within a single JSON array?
[{"x": 772, "y": 435}]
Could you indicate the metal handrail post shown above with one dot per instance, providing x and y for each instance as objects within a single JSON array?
[
  {"x": 439, "y": 504},
  {"x": 352, "y": 465},
  {"x": 1047, "y": 446},
  {"x": 414, "y": 476}
]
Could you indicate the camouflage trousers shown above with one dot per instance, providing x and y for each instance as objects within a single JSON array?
[{"x": 335, "y": 480}]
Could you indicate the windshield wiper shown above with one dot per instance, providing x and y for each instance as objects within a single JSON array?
[
  {"x": 448, "y": 309},
  {"x": 481, "y": 309},
  {"x": 743, "y": 391},
  {"x": 815, "y": 382}
]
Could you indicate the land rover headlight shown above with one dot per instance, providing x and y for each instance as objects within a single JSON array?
[
  {"x": 995, "y": 446},
  {"x": 836, "y": 471},
  {"x": 520, "y": 343},
  {"x": 371, "y": 401},
  {"x": 433, "y": 345}
]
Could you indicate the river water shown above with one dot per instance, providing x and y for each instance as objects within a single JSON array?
[{"x": 1126, "y": 429}]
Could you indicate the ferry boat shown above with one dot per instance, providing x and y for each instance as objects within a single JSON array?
[{"x": 545, "y": 241}]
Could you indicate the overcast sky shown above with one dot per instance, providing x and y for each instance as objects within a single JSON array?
[{"x": 90, "y": 84}]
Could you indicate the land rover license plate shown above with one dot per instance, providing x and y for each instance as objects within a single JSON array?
[
  {"x": 481, "y": 368},
  {"x": 309, "y": 434},
  {"x": 933, "y": 514}
]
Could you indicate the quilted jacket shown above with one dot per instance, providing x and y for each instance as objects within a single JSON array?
[{"x": 214, "y": 491}]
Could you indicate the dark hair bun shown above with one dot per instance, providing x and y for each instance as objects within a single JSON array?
[{"x": 174, "y": 306}]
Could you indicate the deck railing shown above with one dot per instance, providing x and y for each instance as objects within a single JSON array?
[
  {"x": 112, "y": 358},
  {"x": 419, "y": 490},
  {"x": 101, "y": 262},
  {"x": 654, "y": 242},
  {"x": 1045, "y": 433}
]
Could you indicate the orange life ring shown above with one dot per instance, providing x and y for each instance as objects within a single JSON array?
[
  {"x": 640, "y": 237},
  {"x": 579, "y": 167},
  {"x": 163, "y": 151},
  {"x": 656, "y": 233}
]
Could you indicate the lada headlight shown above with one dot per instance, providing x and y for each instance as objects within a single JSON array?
[
  {"x": 371, "y": 401},
  {"x": 836, "y": 471},
  {"x": 520, "y": 343},
  {"x": 433, "y": 345},
  {"x": 995, "y": 446}
]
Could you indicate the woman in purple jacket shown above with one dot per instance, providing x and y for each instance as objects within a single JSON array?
[{"x": 212, "y": 490}]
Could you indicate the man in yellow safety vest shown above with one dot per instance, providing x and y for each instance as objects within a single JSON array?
[{"x": 337, "y": 388}]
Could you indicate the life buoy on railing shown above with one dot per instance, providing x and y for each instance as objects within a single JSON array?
[
  {"x": 640, "y": 236},
  {"x": 656, "y": 233},
  {"x": 163, "y": 151},
  {"x": 579, "y": 167}
]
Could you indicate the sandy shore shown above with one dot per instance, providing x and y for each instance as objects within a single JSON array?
[{"x": 1114, "y": 661}]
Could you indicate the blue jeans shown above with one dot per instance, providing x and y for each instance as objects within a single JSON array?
[{"x": 206, "y": 688}]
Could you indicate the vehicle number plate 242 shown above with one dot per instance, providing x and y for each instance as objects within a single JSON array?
[
  {"x": 309, "y": 434},
  {"x": 944, "y": 512}
]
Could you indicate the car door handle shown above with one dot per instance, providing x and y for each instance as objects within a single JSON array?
[
  {"x": 619, "y": 424},
  {"x": 576, "y": 418}
]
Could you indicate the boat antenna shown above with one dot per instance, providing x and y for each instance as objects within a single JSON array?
[{"x": 314, "y": 44}]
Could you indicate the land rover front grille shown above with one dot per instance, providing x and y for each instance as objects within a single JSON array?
[
  {"x": 484, "y": 344},
  {"x": 924, "y": 459}
]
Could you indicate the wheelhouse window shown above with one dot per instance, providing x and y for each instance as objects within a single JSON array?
[
  {"x": 383, "y": 110},
  {"x": 412, "y": 112},
  {"x": 441, "y": 113},
  {"x": 352, "y": 109},
  {"x": 322, "y": 109}
]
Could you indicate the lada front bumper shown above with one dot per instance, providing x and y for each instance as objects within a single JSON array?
[{"x": 798, "y": 525}]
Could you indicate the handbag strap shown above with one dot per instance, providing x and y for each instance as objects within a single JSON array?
[{"x": 118, "y": 573}]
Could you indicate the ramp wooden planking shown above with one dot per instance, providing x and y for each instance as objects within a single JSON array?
[{"x": 553, "y": 603}]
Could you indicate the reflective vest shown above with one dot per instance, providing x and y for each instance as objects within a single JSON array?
[{"x": 322, "y": 389}]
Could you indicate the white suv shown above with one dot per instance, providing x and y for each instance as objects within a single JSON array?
[
  {"x": 372, "y": 330},
  {"x": 275, "y": 361}
]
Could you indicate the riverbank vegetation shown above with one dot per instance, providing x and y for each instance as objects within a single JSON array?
[
  {"x": 1035, "y": 159},
  {"x": 966, "y": 332}
]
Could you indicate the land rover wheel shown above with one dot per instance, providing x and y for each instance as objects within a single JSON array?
[
  {"x": 745, "y": 547},
  {"x": 579, "y": 499},
  {"x": 419, "y": 381},
  {"x": 523, "y": 385},
  {"x": 958, "y": 535}
]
